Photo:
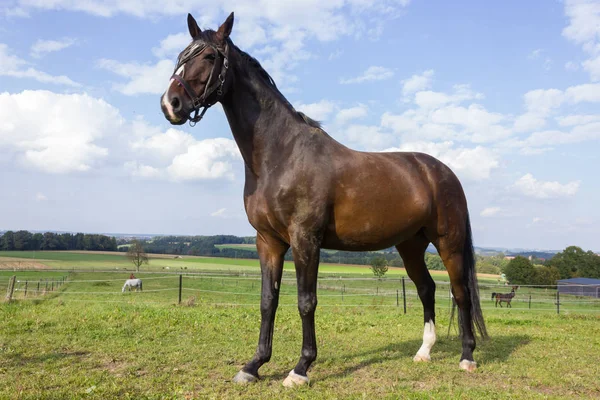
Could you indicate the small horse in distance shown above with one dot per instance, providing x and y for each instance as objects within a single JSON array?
[
  {"x": 132, "y": 284},
  {"x": 504, "y": 297},
  {"x": 306, "y": 191}
]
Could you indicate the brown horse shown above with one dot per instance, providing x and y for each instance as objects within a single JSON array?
[
  {"x": 504, "y": 297},
  {"x": 306, "y": 191}
]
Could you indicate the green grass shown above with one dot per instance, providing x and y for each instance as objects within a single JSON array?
[
  {"x": 76, "y": 343},
  {"x": 118, "y": 261}
]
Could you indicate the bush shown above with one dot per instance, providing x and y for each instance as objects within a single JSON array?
[
  {"x": 379, "y": 266},
  {"x": 486, "y": 268}
]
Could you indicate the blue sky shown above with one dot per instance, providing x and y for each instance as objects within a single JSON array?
[{"x": 506, "y": 93}]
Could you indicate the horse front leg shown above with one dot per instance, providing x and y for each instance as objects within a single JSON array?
[
  {"x": 271, "y": 252},
  {"x": 306, "y": 258}
]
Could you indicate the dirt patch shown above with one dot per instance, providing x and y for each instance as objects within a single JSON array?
[{"x": 17, "y": 264}]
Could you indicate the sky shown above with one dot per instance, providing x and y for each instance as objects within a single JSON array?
[{"x": 505, "y": 93}]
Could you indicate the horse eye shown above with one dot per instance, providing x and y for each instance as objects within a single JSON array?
[{"x": 210, "y": 57}]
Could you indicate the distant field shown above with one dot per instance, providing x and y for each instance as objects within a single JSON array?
[{"x": 70, "y": 260}]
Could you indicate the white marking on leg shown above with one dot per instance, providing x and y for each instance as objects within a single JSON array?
[
  {"x": 428, "y": 342},
  {"x": 469, "y": 366},
  {"x": 293, "y": 379}
]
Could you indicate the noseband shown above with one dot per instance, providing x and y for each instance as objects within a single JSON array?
[{"x": 214, "y": 84}]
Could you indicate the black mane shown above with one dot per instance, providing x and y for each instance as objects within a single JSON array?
[{"x": 253, "y": 62}]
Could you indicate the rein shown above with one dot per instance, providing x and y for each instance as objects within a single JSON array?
[{"x": 214, "y": 84}]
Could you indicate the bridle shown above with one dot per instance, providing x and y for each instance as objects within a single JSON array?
[{"x": 214, "y": 83}]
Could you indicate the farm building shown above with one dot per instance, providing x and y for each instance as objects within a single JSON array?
[{"x": 580, "y": 287}]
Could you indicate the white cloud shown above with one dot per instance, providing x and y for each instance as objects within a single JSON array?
[
  {"x": 206, "y": 159},
  {"x": 538, "y": 54},
  {"x": 172, "y": 45},
  {"x": 11, "y": 65},
  {"x": 571, "y": 66},
  {"x": 219, "y": 213},
  {"x": 368, "y": 137},
  {"x": 535, "y": 54},
  {"x": 142, "y": 78},
  {"x": 577, "y": 119},
  {"x": 163, "y": 146},
  {"x": 177, "y": 156},
  {"x": 319, "y": 111},
  {"x": 373, "y": 73},
  {"x": 531, "y": 187},
  {"x": 468, "y": 163},
  {"x": 584, "y": 30},
  {"x": 490, "y": 211},
  {"x": 139, "y": 170},
  {"x": 40, "y": 197},
  {"x": 335, "y": 55},
  {"x": 428, "y": 99},
  {"x": 542, "y": 103},
  {"x": 417, "y": 83},
  {"x": 65, "y": 134},
  {"x": 348, "y": 114},
  {"x": 42, "y": 47}
]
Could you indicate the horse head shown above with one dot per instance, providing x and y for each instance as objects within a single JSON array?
[{"x": 200, "y": 76}]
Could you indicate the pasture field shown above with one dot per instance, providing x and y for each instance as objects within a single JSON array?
[
  {"x": 98, "y": 260},
  {"x": 89, "y": 340}
]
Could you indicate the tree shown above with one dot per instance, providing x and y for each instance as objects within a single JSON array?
[
  {"x": 546, "y": 275},
  {"x": 137, "y": 255},
  {"x": 379, "y": 266},
  {"x": 434, "y": 262},
  {"x": 520, "y": 271},
  {"x": 8, "y": 241},
  {"x": 574, "y": 262}
]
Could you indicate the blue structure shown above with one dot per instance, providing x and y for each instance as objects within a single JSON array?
[{"x": 580, "y": 287}]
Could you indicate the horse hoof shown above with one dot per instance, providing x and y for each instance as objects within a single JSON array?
[
  {"x": 244, "y": 377},
  {"x": 469, "y": 366},
  {"x": 421, "y": 358},
  {"x": 293, "y": 379}
]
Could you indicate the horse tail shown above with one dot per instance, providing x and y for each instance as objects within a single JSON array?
[
  {"x": 470, "y": 276},
  {"x": 493, "y": 295}
]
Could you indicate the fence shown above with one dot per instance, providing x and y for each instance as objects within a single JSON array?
[{"x": 243, "y": 289}]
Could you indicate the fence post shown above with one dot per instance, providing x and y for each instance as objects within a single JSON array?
[
  {"x": 557, "y": 302},
  {"x": 404, "y": 294},
  {"x": 530, "y": 302},
  {"x": 25, "y": 293},
  {"x": 37, "y": 292},
  {"x": 52, "y": 289},
  {"x": 180, "y": 284},
  {"x": 397, "y": 299},
  {"x": 11, "y": 288}
]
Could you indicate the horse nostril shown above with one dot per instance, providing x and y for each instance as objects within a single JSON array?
[{"x": 176, "y": 104}]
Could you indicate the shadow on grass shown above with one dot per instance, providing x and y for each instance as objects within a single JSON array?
[
  {"x": 18, "y": 359},
  {"x": 496, "y": 349}
]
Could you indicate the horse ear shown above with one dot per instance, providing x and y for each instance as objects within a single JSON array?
[
  {"x": 193, "y": 27},
  {"x": 225, "y": 30}
]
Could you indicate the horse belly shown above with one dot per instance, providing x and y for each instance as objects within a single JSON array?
[{"x": 373, "y": 228}]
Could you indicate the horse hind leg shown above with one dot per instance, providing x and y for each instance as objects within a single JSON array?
[
  {"x": 456, "y": 251},
  {"x": 412, "y": 253}
]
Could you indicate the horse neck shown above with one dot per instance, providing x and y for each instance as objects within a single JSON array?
[{"x": 259, "y": 116}]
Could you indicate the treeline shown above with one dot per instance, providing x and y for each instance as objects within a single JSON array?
[
  {"x": 24, "y": 240},
  {"x": 572, "y": 262},
  {"x": 207, "y": 246}
]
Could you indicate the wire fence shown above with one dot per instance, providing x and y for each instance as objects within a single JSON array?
[{"x": 243, "y": 289}]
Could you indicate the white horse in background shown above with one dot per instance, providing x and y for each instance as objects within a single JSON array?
[{"x": 132, "y": 283}]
